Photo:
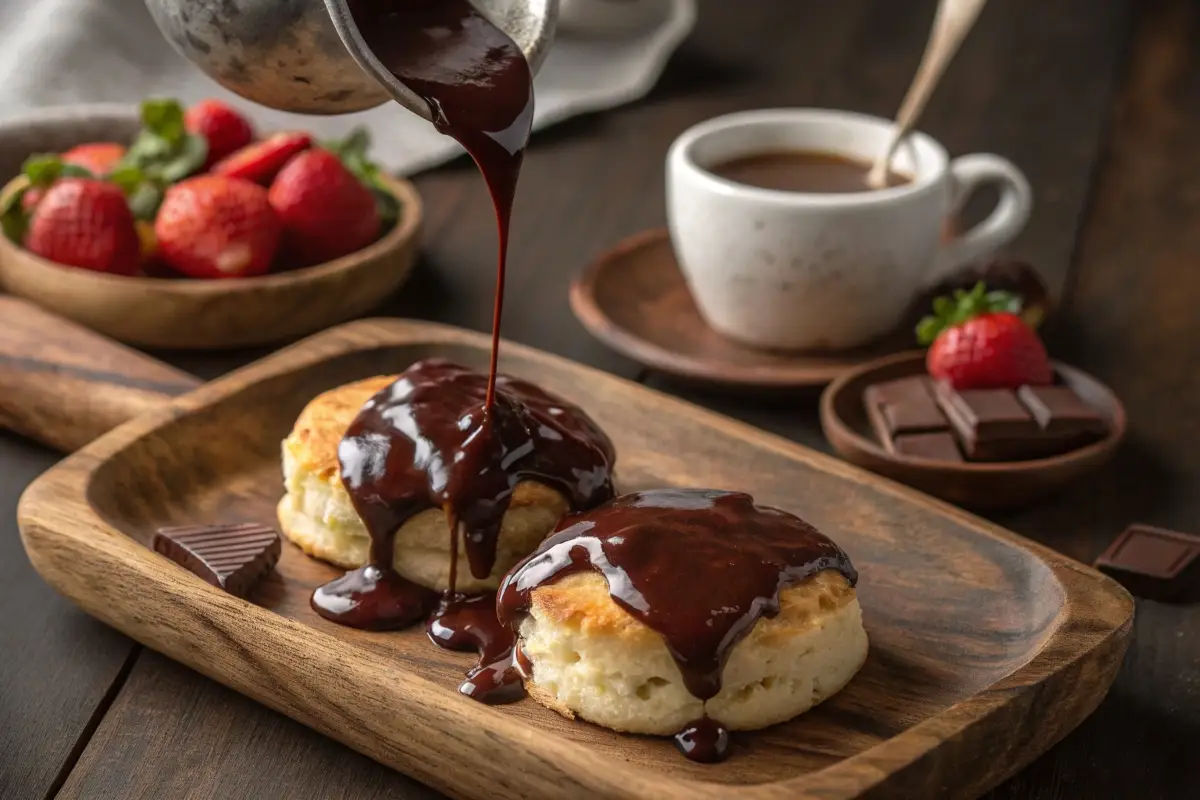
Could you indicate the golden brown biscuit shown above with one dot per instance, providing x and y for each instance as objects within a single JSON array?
[
  {"x": 592, "y": 659},
  {"x": 316, "y": 513}
]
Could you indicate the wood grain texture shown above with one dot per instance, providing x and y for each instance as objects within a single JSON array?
[
  {"x": 918, "y": 716},
  {"x": 59, "y": 667},
  {"x": 988, "y": 486},
  {"x": 63, "y": 385},
  {"x": 219, "y": 314}
]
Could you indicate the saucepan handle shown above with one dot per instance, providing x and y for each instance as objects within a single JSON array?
[{"x": 65, "y": 385}]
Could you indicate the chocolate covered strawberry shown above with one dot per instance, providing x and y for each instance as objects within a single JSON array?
[
  {"x": 979, "y": 341},
  {"x": 225, "y": 130},
  {"x": 326, "y": 211},
  {"x": 85, "y": 223},
  {"x": 216, "y": 227}
]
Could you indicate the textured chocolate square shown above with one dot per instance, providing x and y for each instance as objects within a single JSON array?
[
  {"x": 230, "y": 557},
  {"x": 939, "y": 446},
  {"x": 1154, "y": 563},
  {"x": 1059, "y": 410},
  {"x": 903, "y": 406}
]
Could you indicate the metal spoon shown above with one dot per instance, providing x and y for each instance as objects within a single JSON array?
[{"x": 953, "y": 21}]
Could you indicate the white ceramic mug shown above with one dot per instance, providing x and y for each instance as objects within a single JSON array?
[{"x": 798, "y": 270}]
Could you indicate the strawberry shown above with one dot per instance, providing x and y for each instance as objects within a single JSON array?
[
  {"x": 85, "y": 223},
  {"x": 211, "y": 226},
  {"x": 224, "y": 129},
  {"x": 98, "y": 158},
  {"x": 978, "y": 341},
  {"x": 260, "y": 162},
  {"x": 326, "y": 212}
]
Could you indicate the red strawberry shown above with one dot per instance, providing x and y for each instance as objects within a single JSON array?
[
  {"x": 98, "y": 158},
  {"x": 224, "y": 129},
  {"x": 216, "y": 227},
  {"x": 326, "y": 212},
  {"x": 85, "y": 223},
  {"x": 260, "y": 162},
  {"x": 979, "y": 341}
]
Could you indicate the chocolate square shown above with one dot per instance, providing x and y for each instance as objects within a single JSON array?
[
  {"x": 939, "y": 446},
  {"x": 1060, "y": 411},
  {"x": 1154, "y": 563},
  {"x": 992, "y": 425},
  {"x": 903, "y": 406}
]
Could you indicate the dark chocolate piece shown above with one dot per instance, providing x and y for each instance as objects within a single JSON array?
[
  {"x": 905, "y": 405},
  {"x": 937, "y": 446},
  {"x": 1154, "y": 563},
  {"x": 230, "y": 557},
  {"x": 1059, "y": 411},
  {"x": 992, "y": 425}
]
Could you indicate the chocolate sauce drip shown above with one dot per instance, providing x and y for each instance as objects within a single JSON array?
[
  {"x": 700, "y": 567},
  {"x": 479, "y": 89},
  {"x": 704, "y": 740},
  {"x": 469, "y": 622},
  {"x": 429, "y": 441}
]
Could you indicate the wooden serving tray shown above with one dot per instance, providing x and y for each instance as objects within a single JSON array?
[{"x": 985, "y": 648}]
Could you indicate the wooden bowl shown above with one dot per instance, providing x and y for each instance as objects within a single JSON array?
[
  {"x": 185, "y": 314},
  {"x": 990, "y": 485}
]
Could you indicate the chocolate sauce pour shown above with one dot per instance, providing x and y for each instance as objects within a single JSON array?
[
  {"x": 479, "y": 89},
  {"x": 700, "y": 567},
  {"x": 428, "y": 440}
]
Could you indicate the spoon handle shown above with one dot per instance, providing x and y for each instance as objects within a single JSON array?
[{"x": 953, "y": 21}]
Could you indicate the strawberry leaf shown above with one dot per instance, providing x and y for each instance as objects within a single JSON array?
[
  {"x": 44, "y": 169},
  {"x": 144, "y": 201},
  {"x": 164, "y": 151},
  {"x": 951, "y": 311},
  {"x": 127, "y": 177}
]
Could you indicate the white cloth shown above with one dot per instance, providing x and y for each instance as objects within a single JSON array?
[{"x": 63, "y": 52}]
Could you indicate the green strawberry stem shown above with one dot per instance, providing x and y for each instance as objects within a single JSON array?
[
  {"x": 353, "y": 153},
  {"x": 164, "y": 150},
  {"x": 951, "y": 311}
]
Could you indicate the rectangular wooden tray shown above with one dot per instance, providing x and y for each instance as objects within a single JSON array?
[{"x": 985, "y": 648}]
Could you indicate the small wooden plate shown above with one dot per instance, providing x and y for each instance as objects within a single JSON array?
[
  {"x": 994, "y": 485},
  {"x": 977, "y": 635},
  {"x": 634, "y": 299},
  {"x": 182, "y": 314}
]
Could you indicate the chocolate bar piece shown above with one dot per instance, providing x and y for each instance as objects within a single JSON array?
[
  {"x": 991, "y": 424},
  {"x": 1154, "y": 563},
  {"x": 230, "y": 557},
  {"x": 1059, "y": 411},
  {"x": 939, "y": 446},
  {"x": 903, "y": 406}
]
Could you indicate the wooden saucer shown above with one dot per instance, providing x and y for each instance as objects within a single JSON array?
[
  {"x": 634, "y": 299},
  {"x": 993, "y": 485}
]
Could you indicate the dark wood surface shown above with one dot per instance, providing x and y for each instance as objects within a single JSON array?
[{"x": 1098, "y": 102}]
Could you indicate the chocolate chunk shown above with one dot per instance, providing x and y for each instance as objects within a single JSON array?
[
  {"x": 1059, "y": 411},
  {"x": 903, "y": 406},
  {"x": 991, "y": 424},
  {"x": 230, "y": 557},
  {"x": 939, "y": 446},
  {"x": 1154, "y": 563}
]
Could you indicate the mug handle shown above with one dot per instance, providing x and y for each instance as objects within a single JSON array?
[{"x": 968, "y": 173}]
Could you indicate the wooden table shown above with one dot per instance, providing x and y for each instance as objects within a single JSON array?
[{"x": 1099, "y": 102}]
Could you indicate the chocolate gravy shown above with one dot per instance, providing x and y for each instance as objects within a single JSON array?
[
  {"x": 802, "y": 171},
  {"x": 478, "y": 86},
  {"x": 442, "y": 436},
  {"x": 429, "y": 440},
  {"x": 700, "y": 567}
]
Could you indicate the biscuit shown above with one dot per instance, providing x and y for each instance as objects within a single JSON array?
[
  {"x": 593, "y": 660},
  {"x": 317, "y": 516}
]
